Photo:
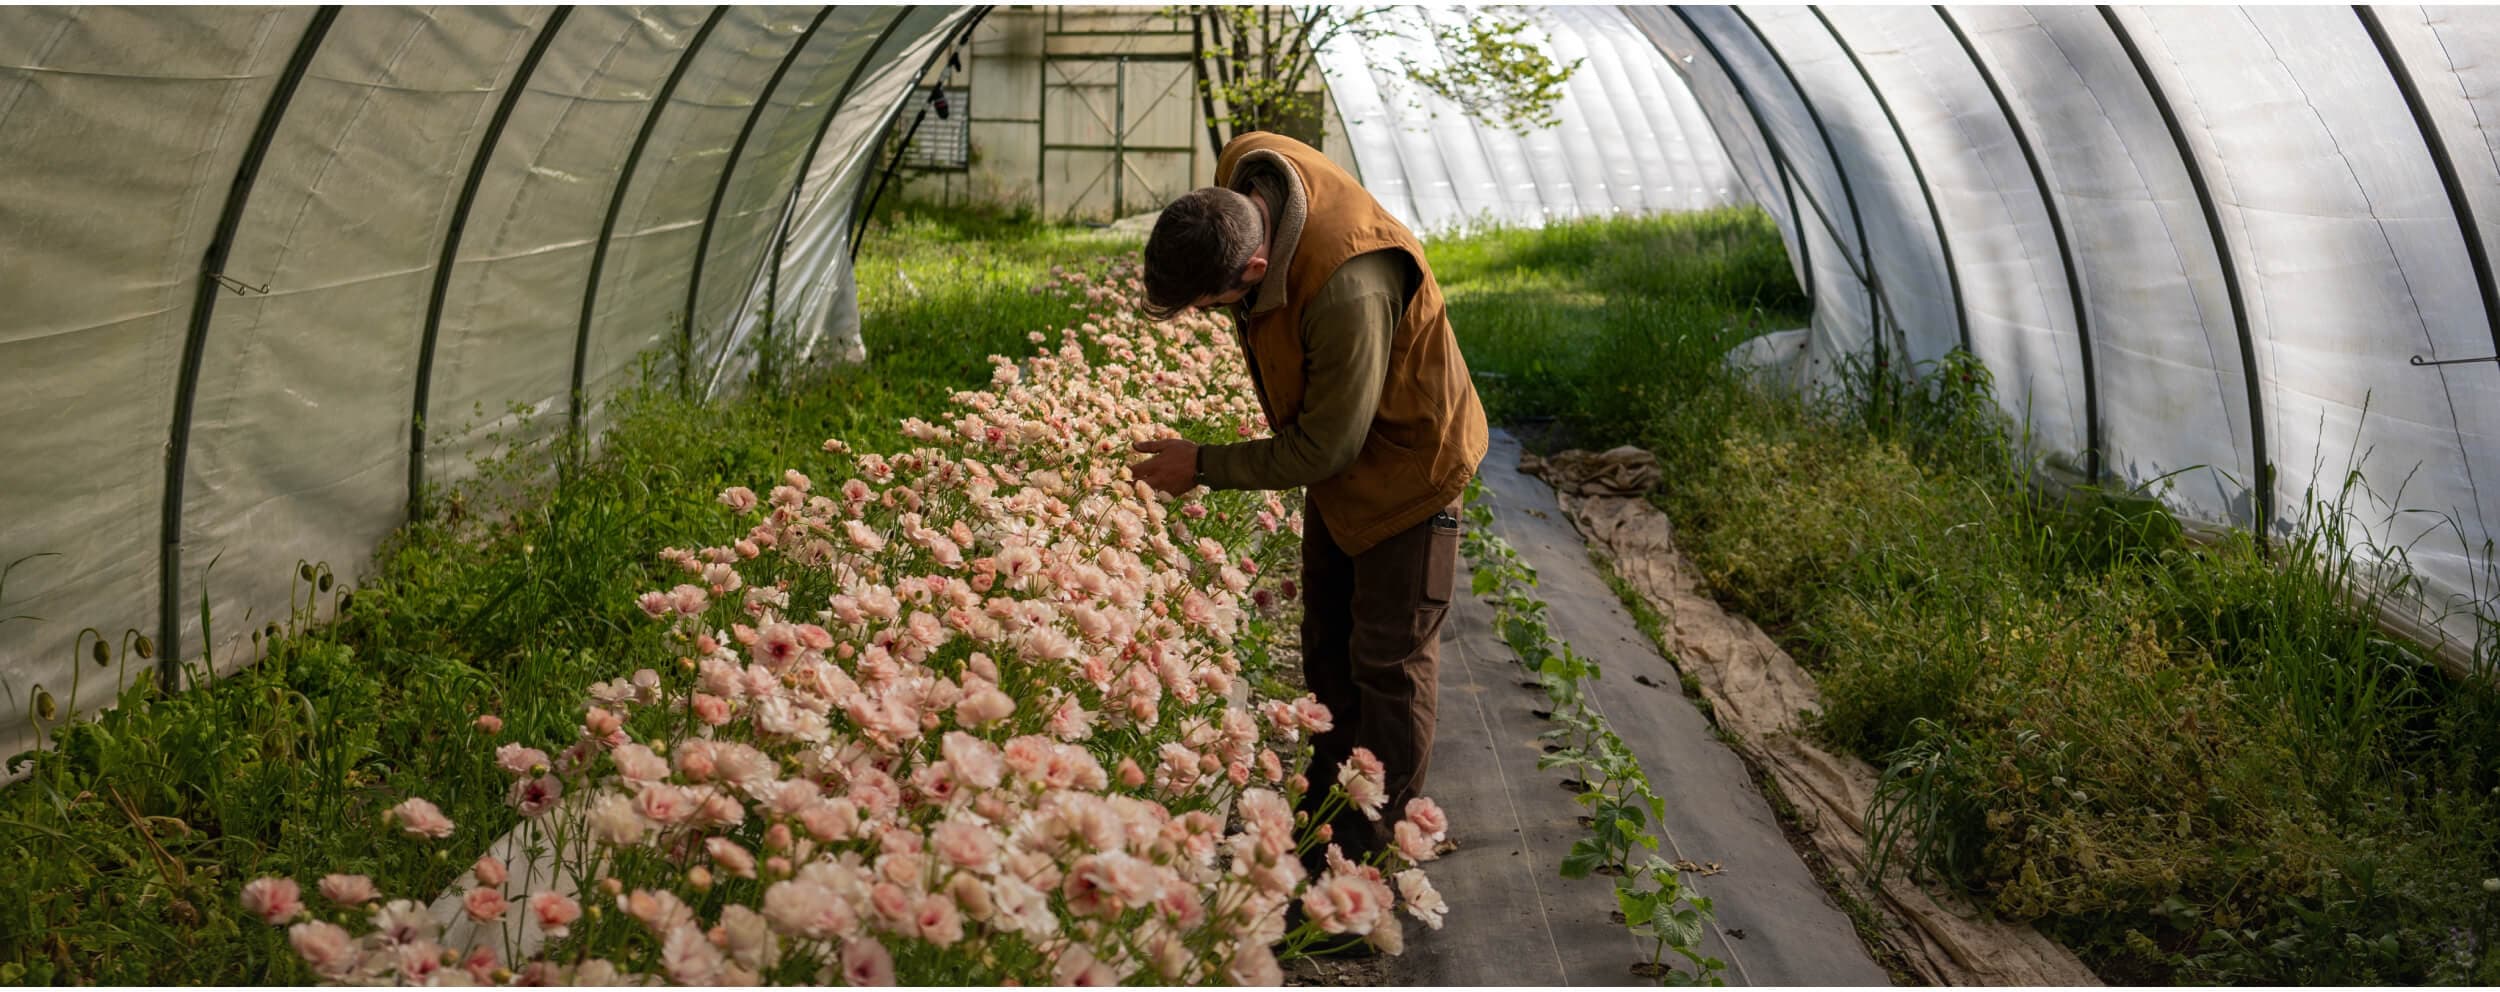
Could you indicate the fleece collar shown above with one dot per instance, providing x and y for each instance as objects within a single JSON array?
[{"x": 1286, "y": 212}]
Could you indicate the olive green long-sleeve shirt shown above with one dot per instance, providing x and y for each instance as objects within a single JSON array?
[{"x": 1346, "y": 332}]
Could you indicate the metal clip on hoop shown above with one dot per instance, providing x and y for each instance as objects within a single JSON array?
[{"x": 2419, "y": 362}]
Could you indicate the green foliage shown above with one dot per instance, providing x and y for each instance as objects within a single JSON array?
[
  {"x": 123, "y": 849},
  {"x": 1255, "y": 65},
  {"x": 2190, "y": 762}
]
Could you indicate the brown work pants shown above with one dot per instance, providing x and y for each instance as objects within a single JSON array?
[{"x": 1371, "y": 652}]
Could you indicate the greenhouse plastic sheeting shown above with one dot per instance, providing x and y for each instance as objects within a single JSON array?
[
  {"x": 335, "y": 148},
  {"x": 1629, "y": 137},
  {"x": 2262, "y": 246}
]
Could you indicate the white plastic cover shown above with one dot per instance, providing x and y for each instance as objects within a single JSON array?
[
  {"x": 1630, "y": 138},
  {"x": 2344, "y": 244},
  {"x": 125, "y": 132}
]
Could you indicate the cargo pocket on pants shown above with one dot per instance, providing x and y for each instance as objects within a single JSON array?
[{"x": 1440, "y": 561}]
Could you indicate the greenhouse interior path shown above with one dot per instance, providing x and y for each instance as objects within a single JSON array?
[{"x": 1514, "y": 920}]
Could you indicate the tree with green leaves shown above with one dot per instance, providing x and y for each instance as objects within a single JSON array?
[{"x": 1254, "y": 63}]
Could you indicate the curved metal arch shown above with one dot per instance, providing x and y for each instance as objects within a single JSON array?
[
  {"x": 862, "y": 208},
  {"x": 2477, "y": 253},
  {"x": 1840, "y": 170},
  {"x": 1935, "y": 216},
  {"x": 729, "y": 169},
  {"x": 451, "y": 249},
  {"x": 1779, "y": 156},
  {"x": 2057, "y": 229},
  {"x": 798, "y": 178},
  {"x": 1780, "y": 161},
  {"x": 2263, "y": 484},
  {"x": 616, "y": 204},
  {"x": 1805, "y": 250},
  {"x": 195, "y": 343}
]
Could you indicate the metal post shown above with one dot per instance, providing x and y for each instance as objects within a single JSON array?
[
  {"x": 1119, "y": 137},
  {"x": 195, "y": 346}
]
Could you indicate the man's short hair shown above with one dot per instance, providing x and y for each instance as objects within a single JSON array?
[{"x": 1199, "y": 248}]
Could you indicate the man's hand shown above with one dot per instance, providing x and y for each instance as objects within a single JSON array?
[{"x": 1172, "y": 470}]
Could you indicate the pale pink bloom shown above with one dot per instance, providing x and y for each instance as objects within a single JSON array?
[
  {"x": 863, "y": 537},
  {"x": 535, "y": 796},
  {"x": 730, "y": 857},
  {"x": 974, "y": 760},
  {"x": 866, "y": 962},
  {"x": 966, "y": 845},
  {"x": 984, "y": 705},
  {"x": 938, "y": 921},
  {"x": 348, "y": 890},
  {"x": 555, "y": 912},
  {"x": 1364, "y": 780},
  {"x": 689, "y": 958},
  {"x": 326, "y": 947},
  {"x": 274, "y": 900},
  {"x": 713, "y": 710},
  {"x": 1077, "y": 966},
  {"x": 600, "y": 723},
  {"x": 747, "y": 938},
  {"x": 1426, "y": 815},
  {"x": 490, "y": 723},
  {"x": 658, "y": 909},
  {"x": 806, "y": 909},
  {"x": 403, "y": 922},
  {"x": 1422, "y": 900},
  {"x": 654, "y": 603},
  {"x": 689, "y": 599},
  {"x": 738, "y": 498},
  {"x": 615, "y": 821},
  {"x": 521, "y": 761},
  {"x": 1412, "y": 843},
  {"x": 1253, "y": 964},
  {"x": 1346, "y": 903},
  {"x": 420, "y": 818},
  {"x": 637, "y": 763},
  {"x": 489, "y": 871},
  {"x": 484, "y": 905}
]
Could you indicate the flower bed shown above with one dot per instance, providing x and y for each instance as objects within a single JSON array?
[{"x": 978, "y": 715}]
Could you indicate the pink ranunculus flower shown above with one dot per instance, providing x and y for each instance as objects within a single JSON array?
[
  {"x": 533, "y": 797},
  {"x": 1364, "y": 779},
  {"x": 738, "y": 499},
  {"x": 274, "y": 900},
  {"x": 489, "y": 871},
  {"x": 420, "y": 818},
  {"x": 866, "y": 962},
  {"x": 484, "y": 905},
  {"x": 555, "y": 912},
  {"x": 327, "y": 947},
  {"x": 522, "y": 762},
  {"x": 489, "y": 723},
  {"x": 348, "y": 890}
]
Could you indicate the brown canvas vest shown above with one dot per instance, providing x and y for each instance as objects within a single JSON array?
[{"x": 1429, "y": 433}]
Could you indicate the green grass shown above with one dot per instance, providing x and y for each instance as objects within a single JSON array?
[
  {"x": 123, "y": 849},
  {"x": 2190, "y": 763}
]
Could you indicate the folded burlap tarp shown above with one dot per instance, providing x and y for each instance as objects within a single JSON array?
[{"x": 1757, "y": 694}]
